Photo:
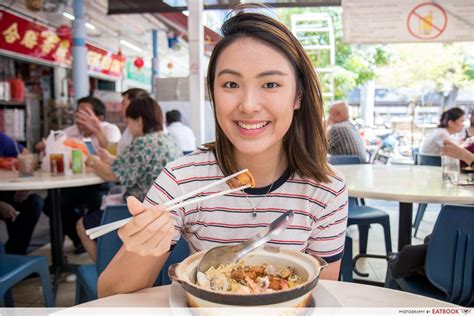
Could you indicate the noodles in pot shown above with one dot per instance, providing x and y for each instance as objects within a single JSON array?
[{"x": 238, "y": 278}]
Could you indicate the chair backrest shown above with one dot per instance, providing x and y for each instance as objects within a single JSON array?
[
  {"x": 450, "y": 256},
  {"x": 179, "y": 253},
  {"x": 344, "y": 160},
  {"x": 428, "y": 160},
  {"x": 109, "y": 244}
]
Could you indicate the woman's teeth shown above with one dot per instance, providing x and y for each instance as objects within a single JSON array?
[{"x": 252, "y": 126}]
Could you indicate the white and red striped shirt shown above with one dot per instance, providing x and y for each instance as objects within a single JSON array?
[{"x": 318, "y": 227}]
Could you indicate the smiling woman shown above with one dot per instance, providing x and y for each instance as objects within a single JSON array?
[{"x": 268, "y": 108}]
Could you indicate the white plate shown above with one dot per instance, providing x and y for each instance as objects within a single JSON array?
[{"x": 322, "y": 296}]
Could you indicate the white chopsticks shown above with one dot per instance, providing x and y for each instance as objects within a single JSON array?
[{"x": 98, "y": 231}]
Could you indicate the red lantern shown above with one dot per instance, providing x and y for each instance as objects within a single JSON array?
[
  {"x": 139, "y": 63},
  {"x": 64, "y": 31}
]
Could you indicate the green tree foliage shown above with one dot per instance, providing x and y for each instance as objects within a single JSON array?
[
  {"x": 355, "y": 64},
  {"x": 435, "y": 66}
]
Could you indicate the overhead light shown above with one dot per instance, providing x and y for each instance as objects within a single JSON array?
[
  {"x": 90, "y": 26},
  {"x": 71, "y": 17},
  {"x": 68, "y": 15},
  {"x": 130, "y": 45},
  {"x": 186, "y": 12}
]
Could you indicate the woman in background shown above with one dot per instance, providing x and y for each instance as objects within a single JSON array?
[
  {"x": 140, "y": 163},
  {"x": 451, "y": 122}
]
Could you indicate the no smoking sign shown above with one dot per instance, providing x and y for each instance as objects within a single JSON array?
[{"x": 427, "y": 21}]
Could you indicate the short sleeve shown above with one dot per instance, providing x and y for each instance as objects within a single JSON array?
[
  {"x": 112, "y": 133},
  {"x": 166, "y": 188},
  {"x": 329, "y": 230}
]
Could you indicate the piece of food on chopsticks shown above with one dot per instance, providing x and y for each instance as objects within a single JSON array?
[{"x": 242, "y": 179}]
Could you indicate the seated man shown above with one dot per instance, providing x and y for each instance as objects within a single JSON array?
[
  {"x": 183, "y": 135},
  {"x": 19, "y": 209},
  {"x": 343, "y": 138},
  {"x": 90, "y": 123}
]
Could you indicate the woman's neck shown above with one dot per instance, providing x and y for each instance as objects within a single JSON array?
[
  {"x": 265, "y": 169},
  {"x": 450, "y": 130}
]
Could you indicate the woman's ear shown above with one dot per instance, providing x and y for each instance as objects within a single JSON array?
[{"x": 297, "y": 105}]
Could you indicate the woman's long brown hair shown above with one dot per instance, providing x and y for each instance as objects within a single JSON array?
[{"x": 305, "y": 143}]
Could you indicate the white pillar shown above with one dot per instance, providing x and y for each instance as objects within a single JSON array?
[
  {"x": 367, "y": 101},
  {"x": 196, "y": 69}
]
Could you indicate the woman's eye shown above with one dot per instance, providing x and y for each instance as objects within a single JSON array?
[
  {"x": 231, "y": 85},
  {"x": 271, "y": 85}
]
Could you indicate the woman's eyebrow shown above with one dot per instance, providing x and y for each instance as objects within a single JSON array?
[
  {"x": 260, "y": 75},
  {"x": 230, "y": 72},
  {"x": 271, "y": 73}
]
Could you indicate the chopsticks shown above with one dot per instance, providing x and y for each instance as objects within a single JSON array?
[{"x": 98, "y": 231}]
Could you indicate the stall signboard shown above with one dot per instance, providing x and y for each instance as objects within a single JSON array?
[
  {"x": 388, "y": 21},
  {"x": 32, "y": 40},
  {"x": 104, "y": 62},
  {"x": 24, "y": 37}
]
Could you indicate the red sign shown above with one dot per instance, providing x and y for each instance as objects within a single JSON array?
[
  {"x": 24, "y": 37},
  {"x": 27, "y": 38},
  {"x": 102, "y": 61}
]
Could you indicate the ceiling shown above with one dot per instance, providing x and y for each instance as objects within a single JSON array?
[{"x": 159, "y": 6}]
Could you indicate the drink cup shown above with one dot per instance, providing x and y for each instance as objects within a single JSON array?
[
  {"x": 26, "y": 165},
  {"x": 112, "y": 148},
  {"x": 57, "y": 164}
]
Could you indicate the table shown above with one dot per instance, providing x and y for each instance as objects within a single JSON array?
[
  {"x": 346, "y": 294},
  {"x": 9, "y": 181},
  {"x": 405, "y": 184}
]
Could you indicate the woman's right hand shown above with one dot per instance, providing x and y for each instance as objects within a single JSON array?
[{"x": 150, "y": 231}]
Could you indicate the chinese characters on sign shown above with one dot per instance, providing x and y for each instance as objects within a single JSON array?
[{"x": 24, "y": 37}]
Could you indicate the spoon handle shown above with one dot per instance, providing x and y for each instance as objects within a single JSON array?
[{"x": 274, "y": 229}]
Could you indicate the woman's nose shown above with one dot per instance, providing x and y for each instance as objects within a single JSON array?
[{"x": 250, "y": 102}]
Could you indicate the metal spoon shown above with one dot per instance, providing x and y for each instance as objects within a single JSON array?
[{"x": 230, "y": 254}]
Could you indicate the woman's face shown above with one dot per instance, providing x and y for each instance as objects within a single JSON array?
[
  {"x": 255, "y": 96},
  {"x": 135, "y": 126},
  {"x": 457, "y": 125}
]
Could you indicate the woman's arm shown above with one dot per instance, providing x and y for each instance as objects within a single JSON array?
[
  {"x": 143, "y": 271},
  {"x": 102, "y": 169},
  {"x": 332, "y": 271},
  {"x": 453, "y": 150}
]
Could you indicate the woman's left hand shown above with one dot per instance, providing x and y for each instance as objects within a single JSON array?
[{"x": 92, "y": 160}]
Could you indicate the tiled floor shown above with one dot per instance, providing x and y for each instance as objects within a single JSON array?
[{"x": 28, "y": 293}]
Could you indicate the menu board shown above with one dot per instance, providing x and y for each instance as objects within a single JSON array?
[{"x": 388, "y": 21}]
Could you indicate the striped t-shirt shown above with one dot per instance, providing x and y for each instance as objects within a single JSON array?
[
  {"x": 344, "y": 140},
  {"x": 320, "y": 209}
]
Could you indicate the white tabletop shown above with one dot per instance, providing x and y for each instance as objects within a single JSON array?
[
  {"x": 346, "y": 294},
  {"x": 403, "y": 183},
  {"x": 10, "y": 181}
]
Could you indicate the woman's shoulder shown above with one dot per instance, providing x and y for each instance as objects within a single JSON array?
[
  {"x": 199, "y": 158},
  {"x": 336, "y": 181}
]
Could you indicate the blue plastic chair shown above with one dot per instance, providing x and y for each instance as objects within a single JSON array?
[
  {"x": 107, "y": 246},
  {"x": 424, "y": 160},
  {"x": 449, "y": 263},
  {"x": 15, "y": 268},
  {"x": 345, "y": 274},
  {"x": 363, "y": 216}
]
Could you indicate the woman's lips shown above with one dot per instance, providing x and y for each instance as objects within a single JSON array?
[{"x": 252, "y": 128}]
